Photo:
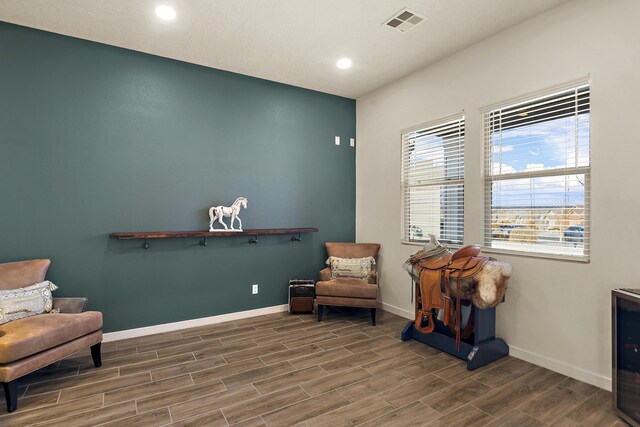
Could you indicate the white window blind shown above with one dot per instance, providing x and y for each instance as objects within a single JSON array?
[
  {"x": 537, "y": 173},
  {"x": 433, "y": 181}
]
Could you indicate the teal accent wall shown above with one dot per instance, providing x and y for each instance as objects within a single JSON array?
[{"x": 96, "y": 139}]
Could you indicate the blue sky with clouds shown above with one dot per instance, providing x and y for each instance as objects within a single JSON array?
[{"x": 555, "y": 144}]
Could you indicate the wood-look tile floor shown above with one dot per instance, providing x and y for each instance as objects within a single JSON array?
[{"x": 282, "y": 370}]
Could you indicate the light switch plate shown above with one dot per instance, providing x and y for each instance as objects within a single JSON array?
[
  {"x": 352, "y": 142},
  {"x": 337, "y": 140}
]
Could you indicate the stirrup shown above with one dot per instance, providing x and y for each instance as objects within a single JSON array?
[{"x": 431, "y": 325}]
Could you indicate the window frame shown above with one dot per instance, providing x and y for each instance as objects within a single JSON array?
[
  {"x": 404, "y": 233},
  {"x": 488, "y": 177}
]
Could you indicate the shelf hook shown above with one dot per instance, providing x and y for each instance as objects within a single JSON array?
[
  {"x": 297, "y": 239},
  {"x": 203, "y": 242},
  {"x": 146, "y": 244},
  {"x": 254, "y": 240}
]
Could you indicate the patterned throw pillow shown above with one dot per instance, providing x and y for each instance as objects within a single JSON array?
[
  {"x": 25, "y": 302},
  {"x": 353, "y": 268}
]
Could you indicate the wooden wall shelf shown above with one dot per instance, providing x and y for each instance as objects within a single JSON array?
[{"x": 146, "y": 235}]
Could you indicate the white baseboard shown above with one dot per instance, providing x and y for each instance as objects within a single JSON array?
[
  {"x": 528, "y": 356},
  {"x": 396, "y": 310},
  {"x": 192, "y": 323},
  {"x": 562, "y": 368}
]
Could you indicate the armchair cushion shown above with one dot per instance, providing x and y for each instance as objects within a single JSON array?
[
  {"x": 358, "y": 268},
  {"x": 325, "y": 275},
  {"x": 350, "y": 288},
  {"x": 31, "y": 335},
  {"x": 25, "y": 302}
]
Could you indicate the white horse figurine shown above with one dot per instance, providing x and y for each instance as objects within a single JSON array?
[{"x": 218, "y": 212}]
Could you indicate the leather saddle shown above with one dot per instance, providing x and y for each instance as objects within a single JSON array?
[{"x": 435, "y": 278}]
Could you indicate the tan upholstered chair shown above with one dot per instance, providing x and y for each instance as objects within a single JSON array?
[
  {"x": 349, "y": 292},
  {"x": 31, "y": 343}
]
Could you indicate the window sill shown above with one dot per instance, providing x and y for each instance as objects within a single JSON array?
[
  {"x": 584, "y": 259},
  {"x": 569, "y": 258}
]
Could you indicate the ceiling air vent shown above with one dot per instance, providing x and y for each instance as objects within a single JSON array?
[{"x": 404, "y": 20}]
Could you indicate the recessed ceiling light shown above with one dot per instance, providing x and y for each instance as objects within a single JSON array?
[
  {"x": 343, "y": 63},
  {"x": 166, "y": 12}
]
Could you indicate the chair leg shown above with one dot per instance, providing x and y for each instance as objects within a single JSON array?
[
  {"x": 95, "y": 354},
  {"x": 320, "y": 307},
  {"x": 11, "y": 394},
  {"x": 373, "y": 317}
]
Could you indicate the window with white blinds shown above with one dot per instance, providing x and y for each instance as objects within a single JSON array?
[
  {"x": 537, "y": 173},
  {"x": 433, "y": 181}
]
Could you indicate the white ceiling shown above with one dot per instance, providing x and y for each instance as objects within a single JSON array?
[{"x": 291, "y": 41}]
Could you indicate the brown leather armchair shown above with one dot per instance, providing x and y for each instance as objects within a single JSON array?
[
  {"x": 31, "y": 343},
  {"x": 348, "y": 292}
]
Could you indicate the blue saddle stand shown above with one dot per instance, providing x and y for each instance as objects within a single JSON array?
[{"x": 480, "y": 349}]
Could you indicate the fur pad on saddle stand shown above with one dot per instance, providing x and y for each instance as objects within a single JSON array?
[
  {"x": 486, "y": 288},
  {"x": 445, "y": 282}
]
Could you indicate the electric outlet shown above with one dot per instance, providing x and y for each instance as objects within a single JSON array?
[
  {"x": 337, "y": 140},
  {"x": 254, "y": 289}
]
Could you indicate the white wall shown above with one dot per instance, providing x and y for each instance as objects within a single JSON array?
[{"x": 557, "y": 313}]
